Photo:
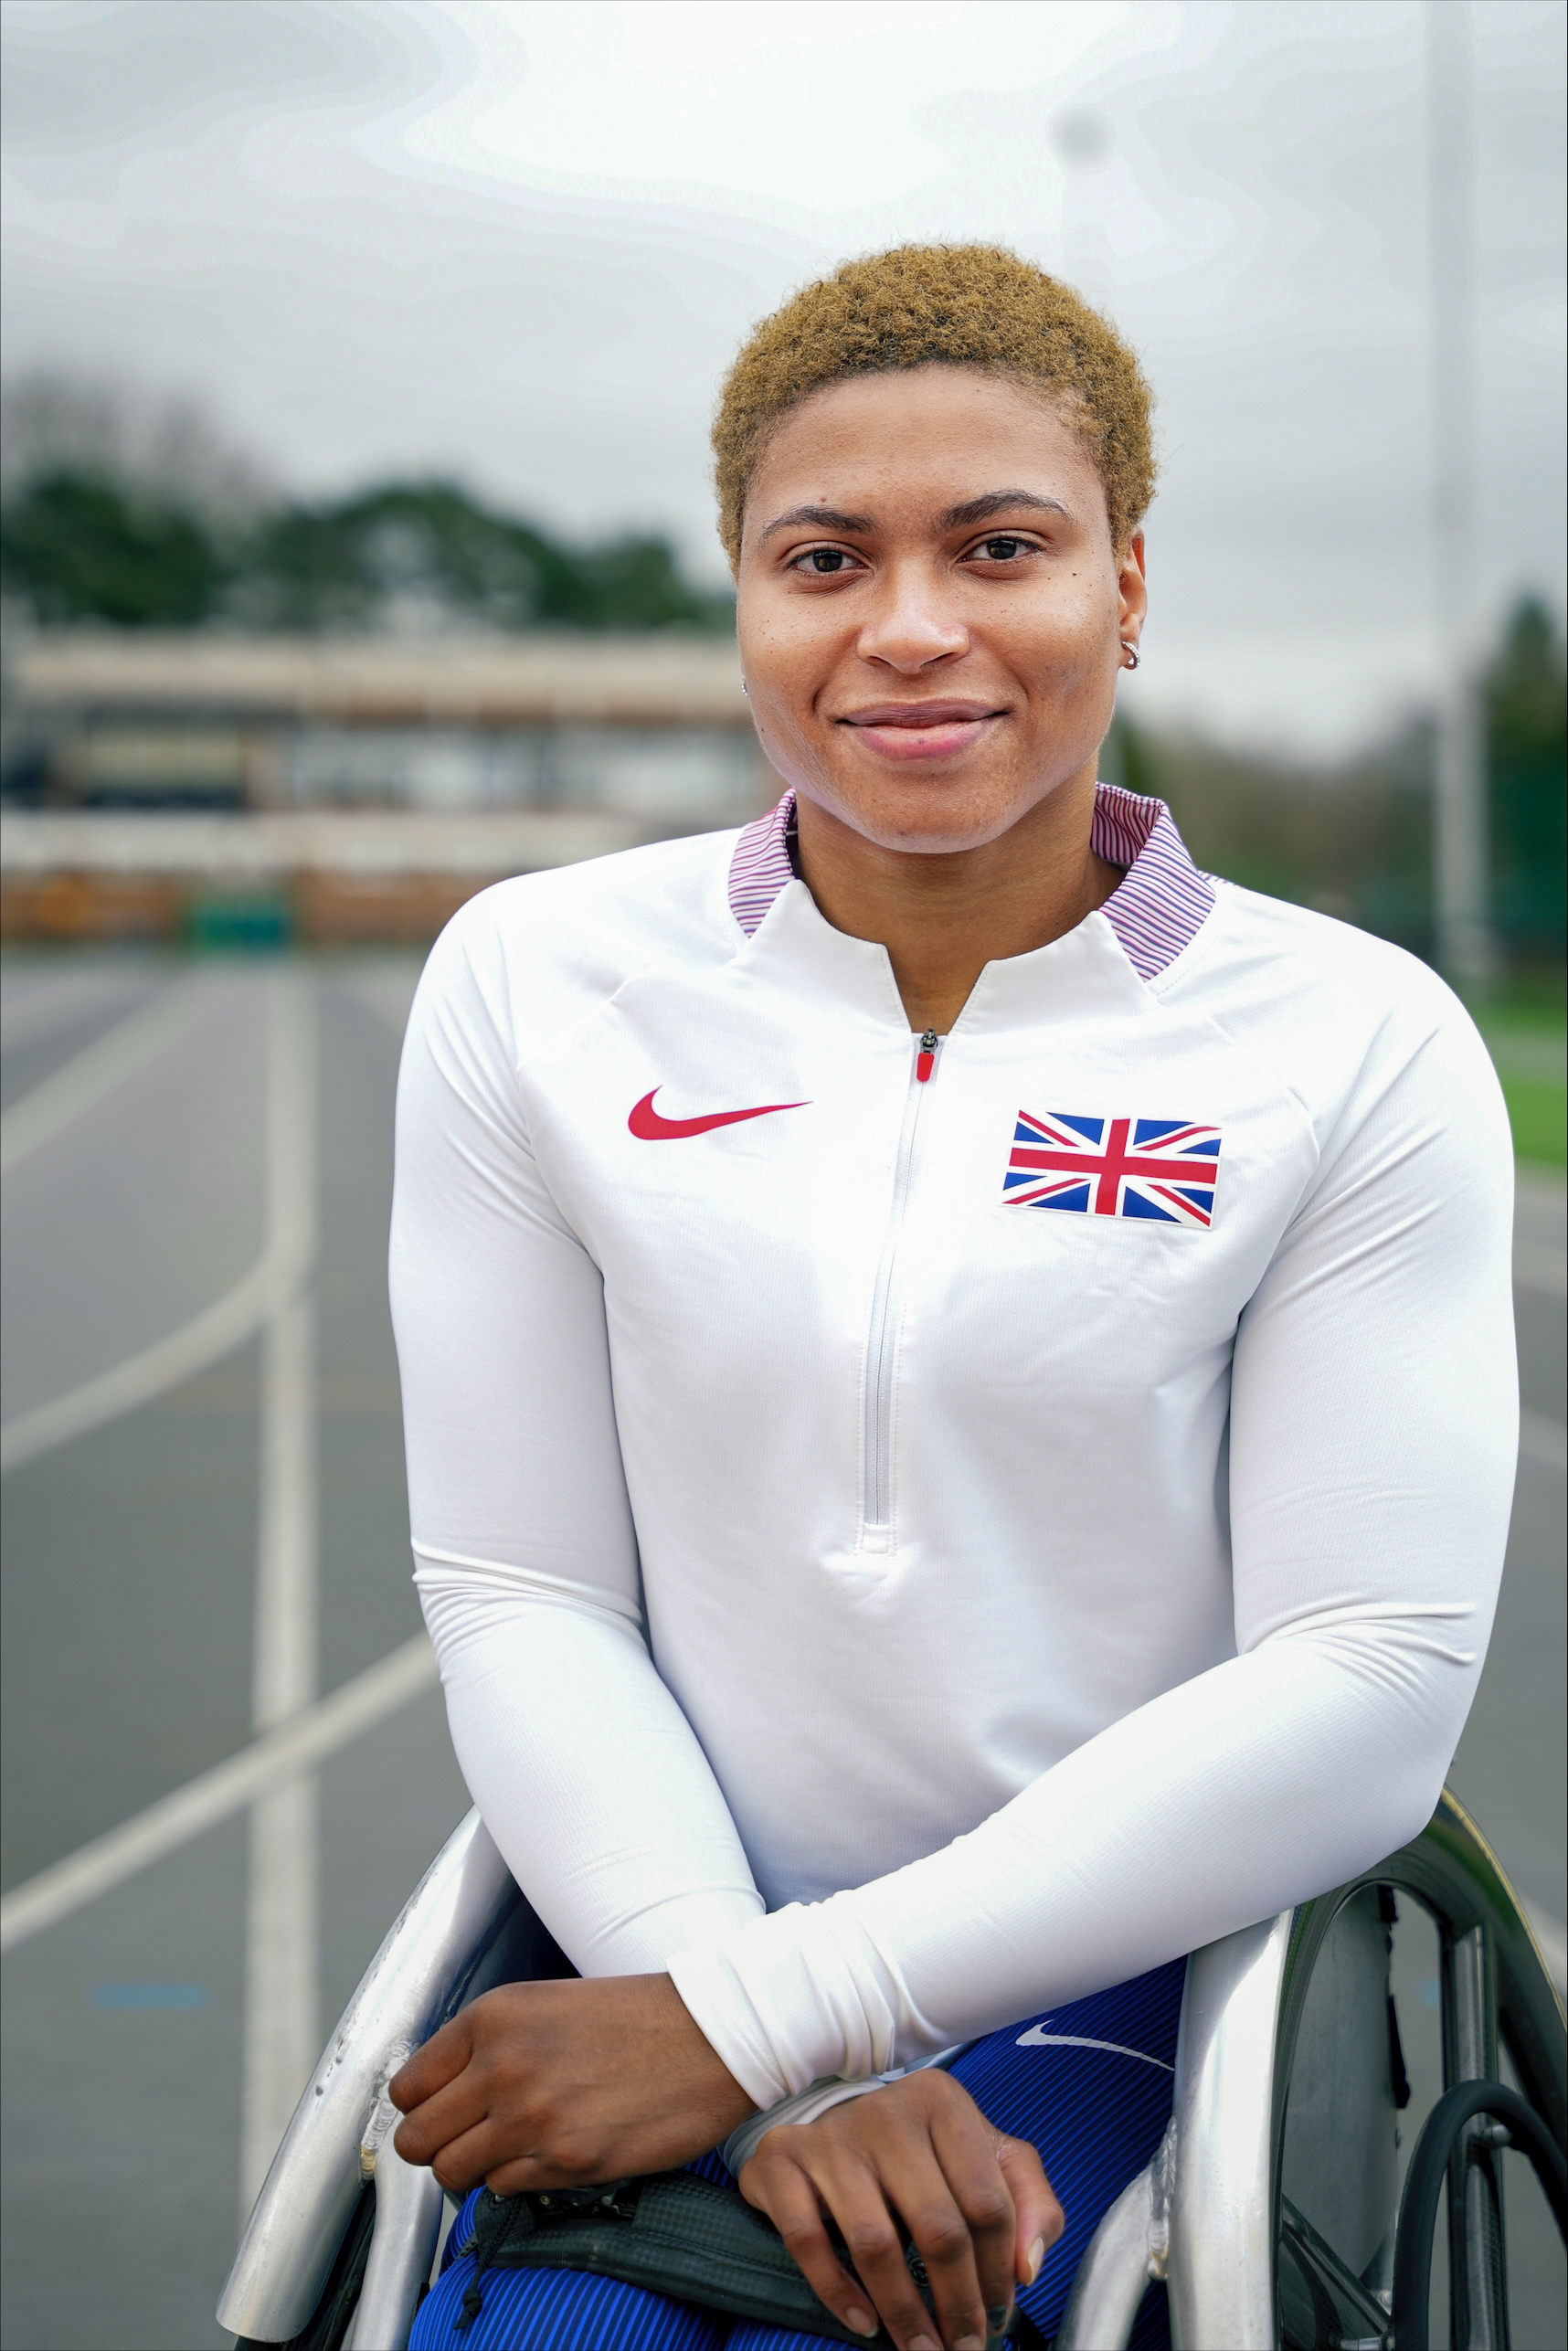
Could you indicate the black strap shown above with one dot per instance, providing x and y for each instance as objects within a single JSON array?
[
  {"x": 566, "y": 2228},
  {"x": 498, "y": 2218}
]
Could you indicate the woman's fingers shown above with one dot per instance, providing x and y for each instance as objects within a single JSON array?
[
  {"x": 780, "y": 2189},
  {"x": 915, "y": 2162},
  {"x": 875, "y": 2195},
  {"x": 471, "y": 2157},
  {"x": 583, "y": 2080},
  {"x": 859, "y": 2200},
  {"x": 966, "y": 2148},
  {"x": 440, "y": 2060},
  {"x": 796, "y": 2185},
  {"x": 1040, "y": 2218},
  {"x": 444, "y": 2117}
]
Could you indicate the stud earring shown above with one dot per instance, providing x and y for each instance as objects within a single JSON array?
[{"x": 1131, "y": 650}]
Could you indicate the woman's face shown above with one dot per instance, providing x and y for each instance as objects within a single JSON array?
[{"x": 930, "y": 608}]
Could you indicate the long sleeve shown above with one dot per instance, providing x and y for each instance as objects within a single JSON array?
[
  {"x": 1371, "y": 1444},
  {"x": 586, "y": 1772}
]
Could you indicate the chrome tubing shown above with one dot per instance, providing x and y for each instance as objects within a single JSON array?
[
  {"x": 1478, "y": 2263},
  {"x": 407, "y": 2223},
  {"x": 420, "y": 1974},
  {"x": 1201, "y": 2215},
  {"x": 1221, "y": 2262},
  {"x": 1114, "y": 2273}
]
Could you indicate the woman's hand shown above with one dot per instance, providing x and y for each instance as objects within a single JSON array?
[
  {"x": 916, "y": 2159},
  {"x": 562, "y": 2084}
]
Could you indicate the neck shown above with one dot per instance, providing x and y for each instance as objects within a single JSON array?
[{"x": 943, "y": 918}]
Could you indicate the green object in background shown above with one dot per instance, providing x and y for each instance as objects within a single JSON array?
[
  {"x": 1539, "y": 1116},
  {"x": 1528, "y": 1043},
  {"x": 79, "y": 546},
  {"x": 1526, "y": 705},
  {"x": 250, "y": 926}
]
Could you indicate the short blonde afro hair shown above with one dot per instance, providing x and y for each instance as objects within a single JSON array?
[{"x": 949, "y": 306}]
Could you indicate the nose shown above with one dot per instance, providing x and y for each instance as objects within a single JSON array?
[{"x": 908, "y": 627}]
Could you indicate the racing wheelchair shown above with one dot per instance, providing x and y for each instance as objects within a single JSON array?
[{"x": 1272, "y": 2209}]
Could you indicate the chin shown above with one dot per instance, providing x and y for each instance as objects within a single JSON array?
[{"x": 931, "y": 818}]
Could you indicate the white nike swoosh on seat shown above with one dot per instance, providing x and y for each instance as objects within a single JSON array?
[{"x": 1035, "y": 2037}]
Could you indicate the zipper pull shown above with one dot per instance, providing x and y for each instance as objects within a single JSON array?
[{"x": 926, "y": 1060}]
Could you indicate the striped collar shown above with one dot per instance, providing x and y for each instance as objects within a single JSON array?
[{"x": 1156, "y": 910}]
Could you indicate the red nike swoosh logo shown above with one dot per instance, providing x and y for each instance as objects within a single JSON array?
[{"x": 649, "y": 1127}]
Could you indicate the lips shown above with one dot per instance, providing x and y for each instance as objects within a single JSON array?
[
  {"x": 918, "y": 714},
  {"x": 921, "y": 730}
]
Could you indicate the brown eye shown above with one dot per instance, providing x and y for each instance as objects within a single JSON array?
[
  {"x": 827, "y": 559},
  {"x": 1003, "y": 550}
]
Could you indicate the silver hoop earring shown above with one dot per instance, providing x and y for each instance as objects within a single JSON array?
[{"x": 1131, "y": 650}]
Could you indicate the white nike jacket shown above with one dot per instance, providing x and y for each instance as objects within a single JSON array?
[{"x": 906, "y": 1551}]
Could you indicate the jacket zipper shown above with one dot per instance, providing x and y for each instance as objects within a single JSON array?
[{"x": 878, "y": 1440}]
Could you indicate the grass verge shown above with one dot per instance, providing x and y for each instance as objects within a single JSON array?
[{"x": 1539, "y": 1116}]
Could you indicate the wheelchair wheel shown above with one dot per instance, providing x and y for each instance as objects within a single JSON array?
[{"x": 1340, "y": 2088}]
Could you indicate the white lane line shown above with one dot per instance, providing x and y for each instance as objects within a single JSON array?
[
  {"x": 109, "y": 1063},
  {"x": 29, "y": 1015},
  {"x": 282, "y": 1933},
  {"x": 68, "y": 1885},
  {"x": 283, "y": 1675},
  {"x": 254, "y": 1300},
  {"x": 166, "y": 1364},
  {"x": 283, "y": 1968},
  {"x": 1543, "y": 1441}
]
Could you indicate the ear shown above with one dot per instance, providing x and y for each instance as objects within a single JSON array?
[{"x": 1132, "y": 588}]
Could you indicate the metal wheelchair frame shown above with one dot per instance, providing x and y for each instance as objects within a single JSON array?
[{"x": 342, "y": 2223}]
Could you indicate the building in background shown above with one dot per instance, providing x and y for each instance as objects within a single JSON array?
[{"x": 332, "y": 787}]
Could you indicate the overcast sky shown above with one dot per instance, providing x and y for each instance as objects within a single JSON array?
[{"x": 518, "y": 240}]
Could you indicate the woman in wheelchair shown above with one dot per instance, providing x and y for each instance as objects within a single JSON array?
[{"x": 959, "y": 1381}]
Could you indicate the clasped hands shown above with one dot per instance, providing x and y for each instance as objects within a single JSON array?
[{"x": 564, "y": 2084}]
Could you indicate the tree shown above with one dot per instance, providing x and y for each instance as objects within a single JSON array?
[
  {"x": 76, "y": 546},
  {"x": 425, "y": 551}
]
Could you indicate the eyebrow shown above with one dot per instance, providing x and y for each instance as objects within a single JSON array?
[
  {"x": 1000, "y": 501},
  {"x": 973, "y": 510},
  {"x": 819, "y": 518}
]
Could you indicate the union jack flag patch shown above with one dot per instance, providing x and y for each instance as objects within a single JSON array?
[{"x": 1161, "y": 1168}]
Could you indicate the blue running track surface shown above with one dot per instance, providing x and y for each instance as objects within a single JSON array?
[{"x": 1091, "y": 2084}]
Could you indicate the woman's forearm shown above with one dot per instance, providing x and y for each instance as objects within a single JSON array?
[
  {"x": 1252, "y": 1787},
  {"x": 588, "y": 1774}
]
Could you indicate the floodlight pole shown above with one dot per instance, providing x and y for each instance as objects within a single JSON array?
[{"x": 1465, "y": 947}]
